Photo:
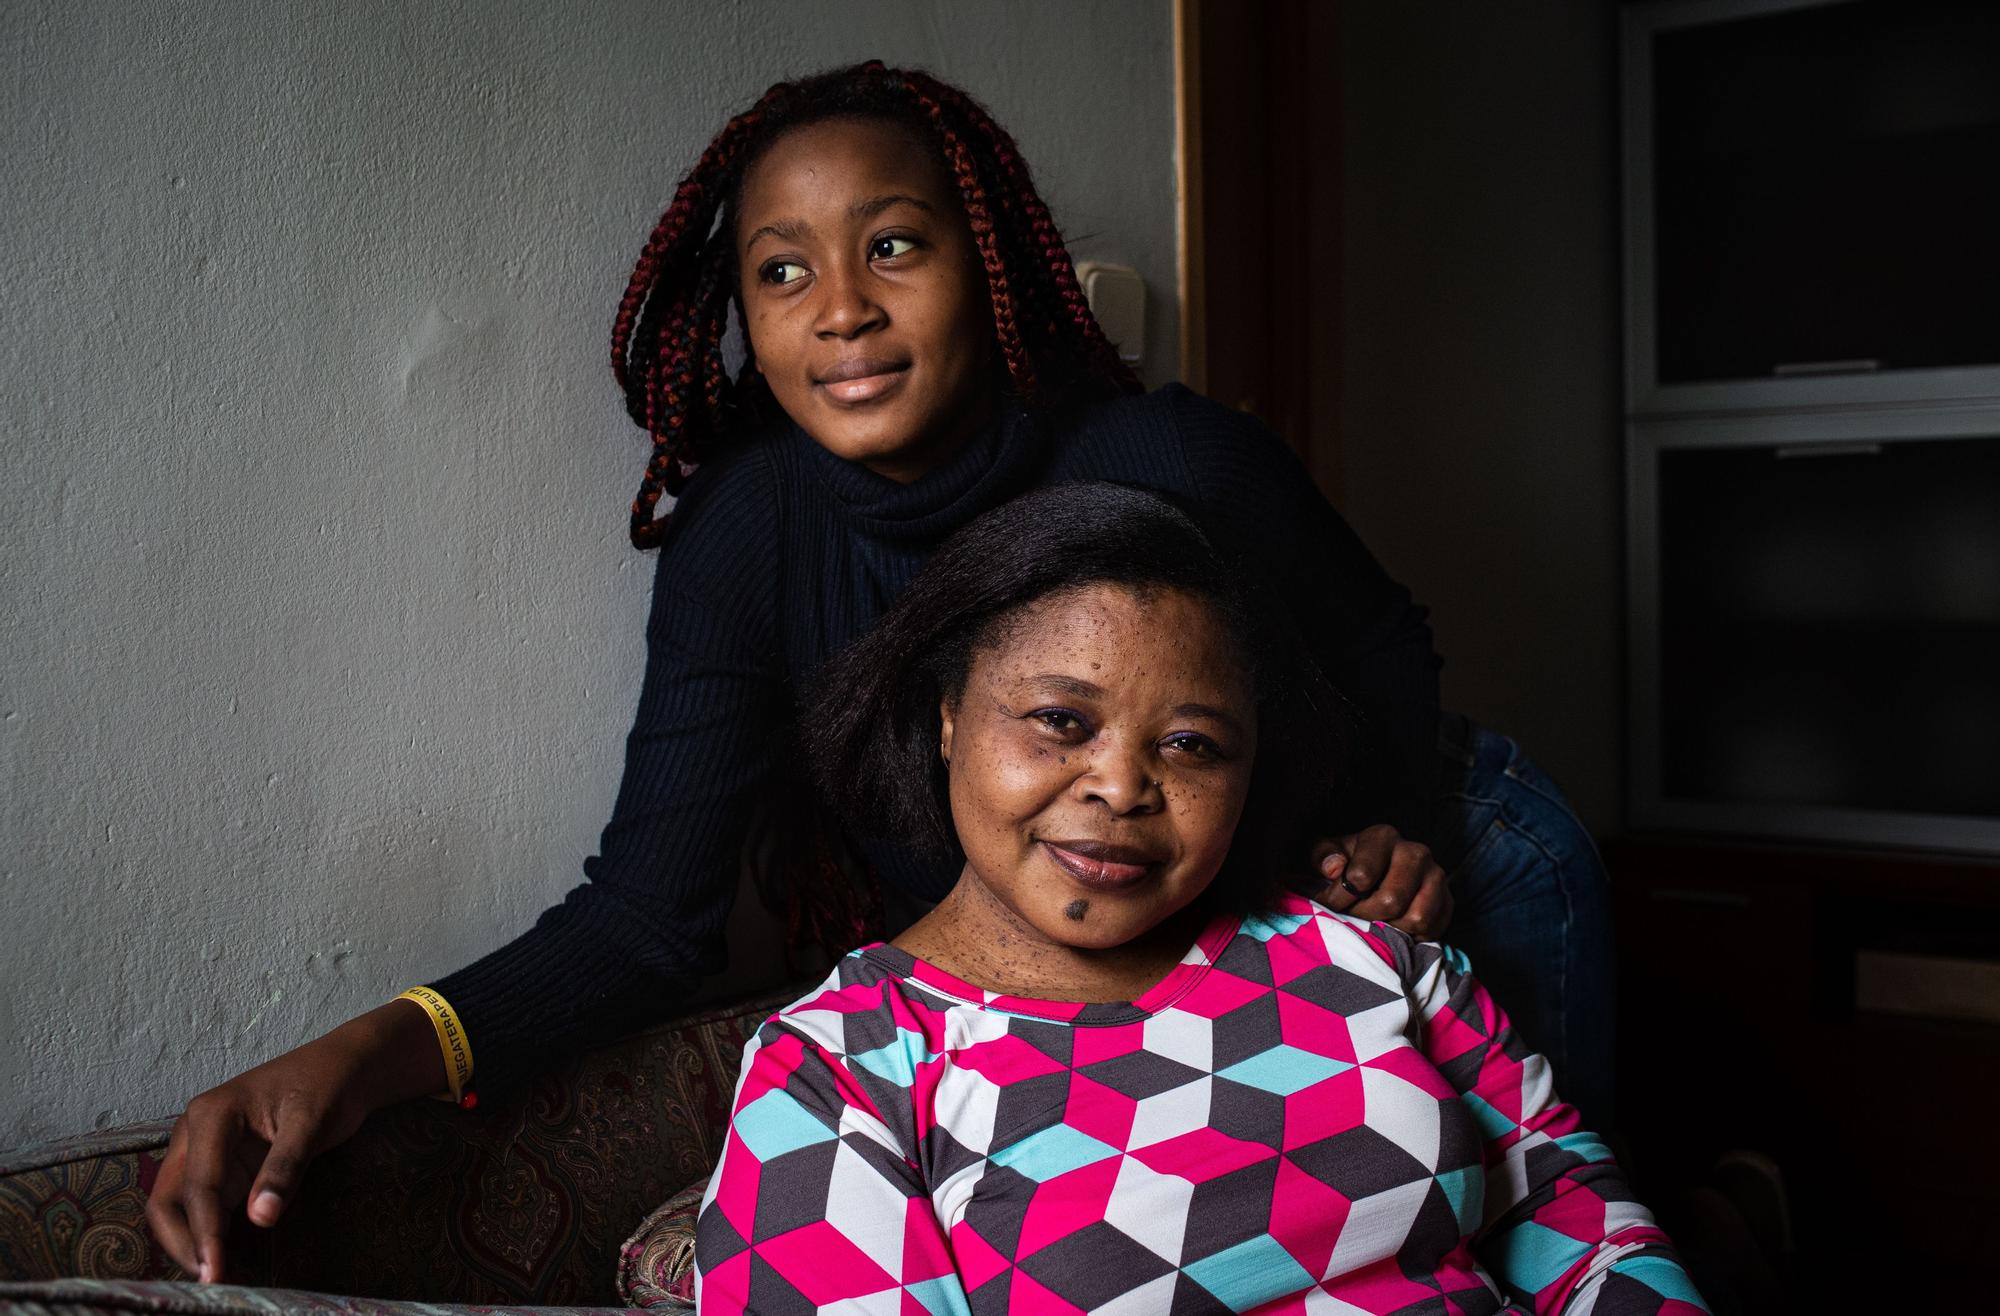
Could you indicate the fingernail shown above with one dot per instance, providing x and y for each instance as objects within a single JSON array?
[
  {"x": 207, "y": 1272},
  {"x": 266, "y": 1207}
]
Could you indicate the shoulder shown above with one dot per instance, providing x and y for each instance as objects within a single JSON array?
[
  {"x": 724, "y": 538},
  {"x": 1171, "y": 406},
  {"x": 1177, "y": 441},
  {"x": 1172, "y": 412},
  {"x": 1372, "y": 949},
  {"x": 864, "y": 1015},
  {"x": 733, "y": 495},
  {"x": 1197, "y": 422}
]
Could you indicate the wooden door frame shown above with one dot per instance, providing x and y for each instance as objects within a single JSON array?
[{"x": 1258, "y": 125}]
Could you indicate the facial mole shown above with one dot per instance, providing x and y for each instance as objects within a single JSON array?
[{"x": 1075, "y": 910}]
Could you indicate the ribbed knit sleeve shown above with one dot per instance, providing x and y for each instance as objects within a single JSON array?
[
  {"x": 776, "y": 556},
  {"x": 650, "y": 919},
  {"x": 1372, "y": 640}
]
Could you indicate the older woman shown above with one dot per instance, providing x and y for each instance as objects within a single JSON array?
[{"x": 1119, "y": 1067}]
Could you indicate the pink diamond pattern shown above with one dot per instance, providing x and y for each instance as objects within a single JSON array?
[{"x": 1258, "y": 1131}]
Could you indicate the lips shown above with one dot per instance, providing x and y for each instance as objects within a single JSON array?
[
  {"x": 1101, "y": 865},
  {"x": 861, "y": 378}
]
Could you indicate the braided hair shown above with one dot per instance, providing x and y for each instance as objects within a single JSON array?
[{"x": 666, "y": 344}]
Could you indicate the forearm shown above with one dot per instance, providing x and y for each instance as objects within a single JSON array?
[
  {"x": 1561, "y": 1225},
  {"x": 392, "y": 1052},
  {"x": 1578, "y": 1241},
  {"x": 582, "y": 972},
  {"x": 649, "y": 922}
]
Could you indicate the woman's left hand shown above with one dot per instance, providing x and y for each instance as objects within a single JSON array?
[{"x": 1376, "y": 874}]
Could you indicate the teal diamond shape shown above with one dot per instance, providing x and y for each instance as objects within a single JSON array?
[
  {"x": 1587, "y": 1145},
  {"x": 1533, "y": 1256},
  {"x": 1253, "y": 1272},
  {"x": 898, "y": 1060},
  {"x": 1056, "y": 1150},
  {"x": 1492, "y": 1124},
  {"x": 1465, "y": 1189},
  {"x": 1268, "y": 923},
  {"x": 943, "y": 1296},
  {"x": 776, "y": 1123},
  {"x": 1284, "y": 1070},
  {"x": 1663, "y": 1277}
]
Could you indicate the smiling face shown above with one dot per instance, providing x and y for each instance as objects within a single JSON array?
[
  {"x": 865, "y": 300},
  {"x": 1098, "y": 758}
]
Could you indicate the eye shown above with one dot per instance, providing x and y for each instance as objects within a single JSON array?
[
  {"x": 1062, "y": 721},
  {"x": 1194, "y": 745},
  {"x": 889, "y": 246},
  {"x": 781, "y": 272}
]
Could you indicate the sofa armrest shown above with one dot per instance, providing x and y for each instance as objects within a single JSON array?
[
  {"x": 102, "y": 1297},
  {"x": 77, "y": 1206},
  {"x": 525, "y": 1200}
]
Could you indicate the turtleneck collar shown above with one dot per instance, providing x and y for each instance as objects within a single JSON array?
[{"x": 1001, "y": 460}]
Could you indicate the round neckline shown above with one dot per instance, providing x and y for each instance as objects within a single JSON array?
[
  {"x": 1178, "y": 981},
  {"x": 998, "y": 461}
]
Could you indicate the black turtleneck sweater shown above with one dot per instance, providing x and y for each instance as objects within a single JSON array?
[{"x": 777, "y": 555}]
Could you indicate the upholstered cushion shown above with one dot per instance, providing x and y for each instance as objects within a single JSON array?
[
  {"x": 656, "y": 1266},
  {"x": 90, "y": 1297},
  {"x": 78, "y": 1206},
  {"x": 522, "y": 1201}
]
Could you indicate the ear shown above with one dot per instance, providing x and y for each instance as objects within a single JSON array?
[{"x": 944, "y": 731}]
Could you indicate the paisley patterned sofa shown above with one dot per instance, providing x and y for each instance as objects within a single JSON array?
[{"x": 520, "y": 1205}]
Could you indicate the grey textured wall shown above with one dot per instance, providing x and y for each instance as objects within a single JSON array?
[
  {"x": 322, "y": 629},
  {"x": 1481, "y": 418}
]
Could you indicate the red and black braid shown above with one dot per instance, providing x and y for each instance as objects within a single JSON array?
[
  {"x": 972, "y": 190},
  {"x": 666, "y": 342},
  {"x": 1058, "y": 295}
]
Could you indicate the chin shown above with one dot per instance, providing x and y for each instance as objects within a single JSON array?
[
  {"x": 1088, "y": 938},
  {"x": 1106, "y": 927},
  {"x": 877, "y": 437}
]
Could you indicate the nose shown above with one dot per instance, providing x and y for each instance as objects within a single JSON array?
[
  {"x": 847, "y": 305},
  {"x": 1123, "y": 778}
]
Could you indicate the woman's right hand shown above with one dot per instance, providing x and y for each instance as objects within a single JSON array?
[
  {"x": 249, "y": 1140},
  {"x": 1378, "y": 874}
]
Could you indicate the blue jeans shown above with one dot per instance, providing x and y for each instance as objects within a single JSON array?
[{"x": 1531, "y": 906}]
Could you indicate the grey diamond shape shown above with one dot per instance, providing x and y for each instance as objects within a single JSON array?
[
  {"x": 1094, "y": 1265},
  {"x": 1140, "y": 1074}
]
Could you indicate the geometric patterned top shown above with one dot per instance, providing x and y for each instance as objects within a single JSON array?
[{"x": 1308, "y": 1114}]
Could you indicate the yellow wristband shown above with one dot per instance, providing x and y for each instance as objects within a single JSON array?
[{"x": 451, "y": 1039}]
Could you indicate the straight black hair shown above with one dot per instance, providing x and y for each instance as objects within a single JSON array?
[{"x": 871, "y": 723}]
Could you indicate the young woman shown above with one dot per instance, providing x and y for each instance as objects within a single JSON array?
[
  {"x": 917, "y": 351},
  {"x": 1118, "y": 1067}
]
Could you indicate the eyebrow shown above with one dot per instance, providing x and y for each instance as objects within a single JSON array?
[
  {"x": 785, "y": 230},
  {"x": 797, "y": 230},
  {"x": 1069, "y": 685},
  {"x": 1208, "y": 711},
  {"x": 875, "y": 205}
]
